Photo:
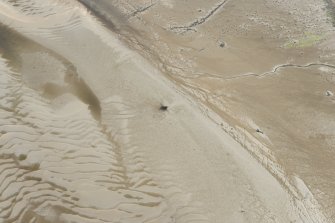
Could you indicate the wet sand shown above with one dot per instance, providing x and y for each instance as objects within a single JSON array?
[{"x": 247, "y": 134}]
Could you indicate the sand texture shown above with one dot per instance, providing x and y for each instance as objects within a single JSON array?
[{"x": 167, "y": 111}]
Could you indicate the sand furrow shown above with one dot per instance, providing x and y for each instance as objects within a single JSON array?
[{"x": 62, "y": 159}]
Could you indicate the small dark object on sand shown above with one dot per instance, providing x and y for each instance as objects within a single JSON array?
[
  {"x": 222, "y": 44},
  {"x": 163, "y": 108}
]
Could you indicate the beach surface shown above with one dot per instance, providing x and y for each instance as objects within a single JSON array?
[{"x": 167, "y": 111}]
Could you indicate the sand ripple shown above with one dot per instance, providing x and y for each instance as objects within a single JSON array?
[
  {"x": 82, "y": 138},
  {"x": 59, "y": 165}
]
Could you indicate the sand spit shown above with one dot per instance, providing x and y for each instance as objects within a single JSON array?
[{"x": 83, "y": 138}]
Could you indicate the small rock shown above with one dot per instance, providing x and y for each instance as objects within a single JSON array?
[
  {"x": 163, "y": 108},
  {"x": 222, "y": 45},
  {"x": 329, "y": 93}
]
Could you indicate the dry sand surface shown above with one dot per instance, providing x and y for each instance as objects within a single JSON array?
[{"x": 167, "y": 111}]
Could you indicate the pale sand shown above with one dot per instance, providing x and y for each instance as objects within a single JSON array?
[{"x": 83, "y": 138}]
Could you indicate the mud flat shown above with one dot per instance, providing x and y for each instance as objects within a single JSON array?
[{"x": 93, "y": 127}]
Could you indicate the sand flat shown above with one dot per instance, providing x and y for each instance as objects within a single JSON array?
[{"x": 83, "y": 138}]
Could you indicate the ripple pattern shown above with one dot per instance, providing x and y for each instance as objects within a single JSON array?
[{"x": 61, "y": 165}]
